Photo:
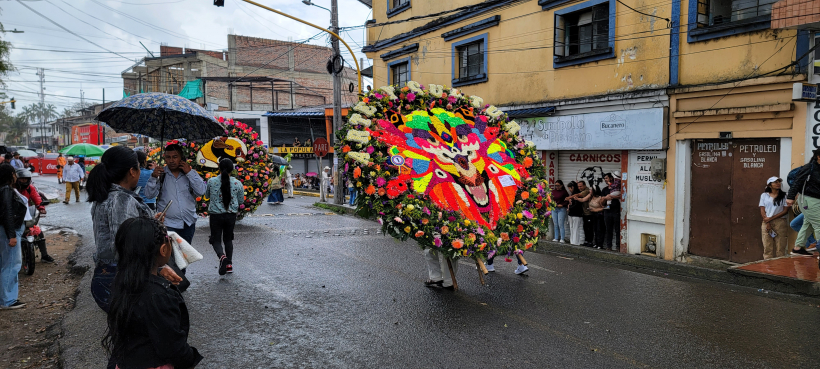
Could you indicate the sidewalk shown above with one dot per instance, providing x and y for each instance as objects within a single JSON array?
[{"x": 779, "y": 275}]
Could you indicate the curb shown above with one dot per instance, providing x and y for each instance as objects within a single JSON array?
[
  {"x": 646, "y": 263},
  {"x": 313, "y": 194}
]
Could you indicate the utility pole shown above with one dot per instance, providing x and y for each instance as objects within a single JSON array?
[
  {"x": 100, "y": 123},
  {"x": 338, "y": 188},
  {"x": 42, "y": 75}
]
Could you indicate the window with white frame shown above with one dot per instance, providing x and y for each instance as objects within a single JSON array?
[
  {"x": 399, "y": 74},
  {"x": 470, "y": 60},
  {"x": 717, "y": 12},
  {"x": 581, "y": 32}
]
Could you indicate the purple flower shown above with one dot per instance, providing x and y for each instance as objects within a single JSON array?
[
  {"x": 426, "y": 210},
  {"x": 527, "y": 214},
  {"x": 411, "y": 97},
  {"x": 265, "y": 184},
  {"x": 491, "y": 254},
  {"x": 256, "y": 156},
  {"x": 380, "y": 181},
  {"x": 479, "y": 230},
  {"x": 548, "y": 213}
]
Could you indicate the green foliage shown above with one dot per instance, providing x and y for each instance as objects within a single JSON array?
[{"x": 5, "y": 51}]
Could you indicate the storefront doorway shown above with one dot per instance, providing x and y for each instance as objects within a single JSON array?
[{"x": 728, "y": 177}]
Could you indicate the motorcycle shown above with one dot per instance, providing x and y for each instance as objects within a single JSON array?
[{"x": 33, "y": 238}]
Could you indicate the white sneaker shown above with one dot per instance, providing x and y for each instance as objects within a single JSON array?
[
  {"x": 554, "y": 240},
  {"x": 812, "y": 248},
  {"x": 521, "y": 269},
  {"x": 561, "y": 241},
  {"x": 490, "y": 268}
]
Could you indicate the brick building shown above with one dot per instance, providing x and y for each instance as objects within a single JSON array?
[{"x": 252, "y": 74}]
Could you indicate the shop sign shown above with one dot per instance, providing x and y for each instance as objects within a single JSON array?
[
  {"x": 812, "y": 129},
  {"x": 640, "y": 129}
]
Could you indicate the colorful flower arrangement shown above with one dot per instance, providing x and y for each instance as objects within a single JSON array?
[
  {"x": 446, "y": 170},
  {"x": 241, "y": 144}
]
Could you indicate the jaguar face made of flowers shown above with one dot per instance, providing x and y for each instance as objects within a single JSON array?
[
  {"x": 444, "y": 169},
  {"x": 455, "y": 159}
]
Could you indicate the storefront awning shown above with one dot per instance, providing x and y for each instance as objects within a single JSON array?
[
  {"x": 532, "y": 112},
  {"x": 295, "y": 114}
]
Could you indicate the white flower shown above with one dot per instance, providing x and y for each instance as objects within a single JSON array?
[
  {"x": 476, "y": 101},
  {"x": 415, "y": 87},
  {"x": 363, "y": 108},
  {"x": 512, "y": 127},
  {"x": 494, "y": 112},
  {"x": 530, "y": 144},
  {"x": 357, "y": 119},
  {"x": 389, "y": 91},
  {"x": 436, "y": 90},
  {"x": 361, "y": 137},
  {"x": 360, "y": 157}
]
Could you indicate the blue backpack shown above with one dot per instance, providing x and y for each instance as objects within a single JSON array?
[{"x": 793, "y": 176}]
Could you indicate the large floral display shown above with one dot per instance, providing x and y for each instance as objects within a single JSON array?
[
  {"x": 445, "y": 169},
  {"x": 240, "y": 144}
]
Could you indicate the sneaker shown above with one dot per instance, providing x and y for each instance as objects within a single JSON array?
[
  {"x": 490, "y": 267},
  {"x": 801, "y": 251},
  {"x": 521, "y": 269},
  {"x": 614, "y": 248},
  {"x": 223, "y": 265},
  {"x": 561, "y": 241},
  {"x": 812, "y": 248},
  {"x": 229, "y": 268},
  {"x": 554, "y": 240},
  {"x": 16, "y": 305},
  {"x": 47, "y": 259}
]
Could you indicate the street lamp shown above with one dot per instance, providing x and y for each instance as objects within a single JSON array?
[{"x": 308, "y": 2}]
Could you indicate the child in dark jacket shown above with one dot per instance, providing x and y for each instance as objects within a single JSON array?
[{"x": 147, "y": 319}]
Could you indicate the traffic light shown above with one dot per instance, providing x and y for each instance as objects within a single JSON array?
[
  {"x": 219, "y": 2},
  {"x": 12, "y": 103}
]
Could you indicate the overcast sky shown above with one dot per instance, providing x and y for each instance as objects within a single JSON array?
[{"x": 112, "y": 39}]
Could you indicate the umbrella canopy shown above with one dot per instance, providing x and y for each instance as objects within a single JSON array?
[
  {"x": 278, "y": 160},
  {"x": 83, "y": 149},
  {"x": 161, "y": 116},
  {"x": 311, "y": 174},
  {"x": 27, "y": 153}
]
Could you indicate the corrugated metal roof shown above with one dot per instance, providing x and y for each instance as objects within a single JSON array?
[
  {"x": 293, "y": 114},
  {"x": 532, "y": 112}
]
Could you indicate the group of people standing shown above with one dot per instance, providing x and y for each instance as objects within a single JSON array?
[
  {"x": 134, "y": 204},
  {"x": 587, "y": 215}
]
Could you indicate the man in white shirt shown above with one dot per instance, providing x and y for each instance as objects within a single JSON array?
[
  {"x": 72, "y": 175},
  {"x": 289, "y": 181}
]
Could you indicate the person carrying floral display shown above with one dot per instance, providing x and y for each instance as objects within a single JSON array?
[{"x": 446, "y": 170}]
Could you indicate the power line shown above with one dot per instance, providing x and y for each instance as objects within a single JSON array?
[{"x": 68, "y": 30}]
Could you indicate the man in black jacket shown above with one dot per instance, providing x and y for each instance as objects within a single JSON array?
[{"x": 12, "y": 216}]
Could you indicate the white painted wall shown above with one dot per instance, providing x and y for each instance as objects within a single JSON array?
[{"x": 645, "y": 200}]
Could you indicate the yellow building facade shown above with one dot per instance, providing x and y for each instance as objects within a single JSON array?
[{"x": 606, "y": 86}]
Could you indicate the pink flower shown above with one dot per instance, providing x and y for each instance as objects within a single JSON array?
[
  {"x": 242, "y": 206},
  {"x": 426, "y": 210},
  {"x": 381, "y": 182},
  {"x": 370, "y": 149},
  {"x": 378, "y": 96},
  {"x": 452, "y": 99},
  {"x": 380, "y": 221},
  {"x": 411, "y": 97},
  {"x": 527, "y": 214},
  {"x": 479, "y": 230},
  {"x": 256, "y": 156},
  {"x": 398, "y": 220},
  {"x": 437, "y": 242},
  {"x": 548, "y": 213},
  {"x": 259, "y": 143}
]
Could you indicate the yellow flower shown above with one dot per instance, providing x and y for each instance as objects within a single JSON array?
[
  {"x": 410, "y": 207},
  {"x": 358, "y": 184},
  {"x": 519, "y": 215},
  {"x": 534, "y": 190},
  {"x": 466, "y": 222},
  {"x": 407, "y": 229},
  {"x": 372, "y": 174}
]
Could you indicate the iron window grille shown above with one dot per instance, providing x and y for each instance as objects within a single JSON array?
[
  {"x": 582, "y": 32},
  {"x": 399, "y": 74},
  {"x": 717, "y": 12},
  {"x": 471, "y": 60}
]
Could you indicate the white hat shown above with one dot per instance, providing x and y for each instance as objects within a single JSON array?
[
  {"x": 70, "y": 158},
  {"x": 616, "y": 174},
  {"x": 327, "y": 168},
  {"x": 773, "y": 179}
]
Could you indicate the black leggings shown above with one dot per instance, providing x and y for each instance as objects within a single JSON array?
[{"x": 222, "y": 231}]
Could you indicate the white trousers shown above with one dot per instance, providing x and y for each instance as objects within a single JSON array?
[
  {"x": 576, "y": 230},
  {"x": 323, "y": 189},
  {"x": 290, "y": 189},
  {"x": 437, "y": 267}
]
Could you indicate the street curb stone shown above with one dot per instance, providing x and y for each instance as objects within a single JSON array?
[{"x": 730, "y": 276}]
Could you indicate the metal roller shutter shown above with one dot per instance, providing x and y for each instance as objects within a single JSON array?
[{"x": 588, "y": 165}]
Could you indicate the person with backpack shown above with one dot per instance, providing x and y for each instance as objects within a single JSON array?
[
  {"x": 801, "y": 246},
  {"x": 807, "y": 183},
  {"x": 180, "y": 183}
]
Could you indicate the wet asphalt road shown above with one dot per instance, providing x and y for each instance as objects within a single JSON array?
[{"x": 340, "y": 297}]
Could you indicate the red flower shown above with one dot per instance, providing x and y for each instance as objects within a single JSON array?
[
  {"x": 516, "y": 239},
  {"x": 520, "y": 228}
]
